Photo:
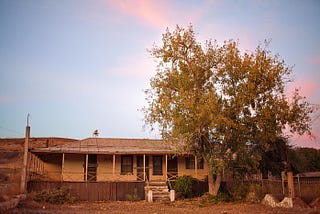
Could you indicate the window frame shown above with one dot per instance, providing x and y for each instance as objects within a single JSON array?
[{"x": 126, "y": 168}]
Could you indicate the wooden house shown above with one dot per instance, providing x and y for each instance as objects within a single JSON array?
[{"x": 113, "y": 160}]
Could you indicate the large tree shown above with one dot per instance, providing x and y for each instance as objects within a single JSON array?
[{"x": 219, "y": 103}]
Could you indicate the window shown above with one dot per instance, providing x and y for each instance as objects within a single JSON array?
[
  {"x": 157, "y": 165},
  {"x": 126, "y": 165},
  {"x": 200, "y": 163},
  {"x": 190, "y": 163}
]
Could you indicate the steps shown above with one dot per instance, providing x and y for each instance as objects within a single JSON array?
[{"x": 160, "y": 191}]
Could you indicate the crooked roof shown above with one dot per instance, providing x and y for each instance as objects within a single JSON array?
[{"x": 111, "y": 146}]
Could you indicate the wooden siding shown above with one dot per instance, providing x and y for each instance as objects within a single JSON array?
[{"x": 93, "y": 191}]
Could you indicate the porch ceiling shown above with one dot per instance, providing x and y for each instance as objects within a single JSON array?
[{"x": 111, "y": 146}]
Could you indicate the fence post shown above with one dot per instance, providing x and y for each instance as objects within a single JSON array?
[{"x": 290, "y": 185}]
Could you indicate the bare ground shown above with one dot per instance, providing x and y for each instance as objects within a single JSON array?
[{"x": 142, "y": 207}]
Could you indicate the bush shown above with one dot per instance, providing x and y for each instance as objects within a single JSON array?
[
  {"x": 57, "y": 196},
  {"x": 183, "y": 186}
]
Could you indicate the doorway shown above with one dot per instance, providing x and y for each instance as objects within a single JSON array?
[
  {"x": 140, "y": 174},
  {"x": 92, "y": 168}
]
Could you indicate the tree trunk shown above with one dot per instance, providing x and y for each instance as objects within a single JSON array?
[{"x": 214, "y": 185}]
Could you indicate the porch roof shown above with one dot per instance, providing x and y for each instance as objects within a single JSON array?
[{"x": 111, "y": 146}]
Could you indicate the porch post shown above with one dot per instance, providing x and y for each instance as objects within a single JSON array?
[
  {"x": 196, "y": 165},
  {"x": 86, "y": 167},
  {"x": 113, "y": 165},
  {"x": 62, "y": 167},
  {"x": 166, "y": 172},
  {"x": 144, "y": 167}
]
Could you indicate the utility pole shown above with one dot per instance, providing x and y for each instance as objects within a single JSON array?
[{"x": 23, "y": 184}]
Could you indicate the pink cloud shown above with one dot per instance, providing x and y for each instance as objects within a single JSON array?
[
  {"x": 307, "y": 87},
  {"x": 305, "y": 141},
  {"x": 314, "y": 60},
  {"x": 153, "y": 13}
]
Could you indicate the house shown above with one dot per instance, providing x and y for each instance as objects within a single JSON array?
[{"x": 113, "y": 160}]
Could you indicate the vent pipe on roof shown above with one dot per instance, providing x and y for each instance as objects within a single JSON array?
[{"x": 95, "y": 133}]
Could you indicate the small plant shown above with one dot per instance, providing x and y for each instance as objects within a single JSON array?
[
  {"x": 57, "y": 196},
  {"x": 183, "y": 186},
  {"x": 132, "y": 197}
]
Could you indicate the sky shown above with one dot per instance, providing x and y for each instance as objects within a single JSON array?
[{"x": 80, "y": 65}]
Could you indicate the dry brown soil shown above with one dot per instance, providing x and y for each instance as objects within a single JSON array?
[{"x": 141, "y": 207}]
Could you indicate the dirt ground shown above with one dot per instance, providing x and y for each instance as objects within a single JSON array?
[{"x": 142, "y": 207}]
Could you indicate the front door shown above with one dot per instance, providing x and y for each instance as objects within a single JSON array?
[
  {"x": 172, "y": 167},
  {"x": 140, "y": 174}
]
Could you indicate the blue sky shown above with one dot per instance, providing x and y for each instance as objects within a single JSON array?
[{"x": 80, "y": 65}]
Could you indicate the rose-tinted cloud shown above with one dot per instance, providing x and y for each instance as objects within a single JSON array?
[
  {"x": 152, "y": 13},
  {"x": 315, "y": 60},
  {"x": 307, "y": 87}
]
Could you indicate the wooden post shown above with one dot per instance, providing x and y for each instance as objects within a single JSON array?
[
  {"x": 62, "y": 167},
  {"x": 113, "y": 165},
  {"x": 86, "y": 167},
  {"x": 290, "y": 185},
  {"x": 196, "y": 165},
  {"x": 144, "y": 167},
  {"x": 166, "y": 172},
  {"x": 23, "y": 183}
]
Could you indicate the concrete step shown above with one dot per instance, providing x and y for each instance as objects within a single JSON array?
[{"x": 160, "y": 191}]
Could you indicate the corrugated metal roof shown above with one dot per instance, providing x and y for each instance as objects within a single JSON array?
[{"x": 111, "y": 146}]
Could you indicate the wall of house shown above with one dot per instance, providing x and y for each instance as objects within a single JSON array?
[
  {"x": 73, "y": 167},
  {"x": 52, "y": 166},
  {"x": 105, "y": 168}
]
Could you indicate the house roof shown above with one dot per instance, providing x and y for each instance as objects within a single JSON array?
[
  {"x": 111, "y": 146},
  {"x": 309, "y": 174}
]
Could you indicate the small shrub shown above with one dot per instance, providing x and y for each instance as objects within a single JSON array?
[
  {"x": 183, "y": 186},
  {"x": 132, "y": 197},
  {"x": 57, "y": 196}
]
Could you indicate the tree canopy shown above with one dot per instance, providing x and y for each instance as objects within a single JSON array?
[{"x": 220, "y": 103}]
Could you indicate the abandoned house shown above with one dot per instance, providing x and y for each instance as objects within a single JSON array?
[{"x": 111, "y": 167}]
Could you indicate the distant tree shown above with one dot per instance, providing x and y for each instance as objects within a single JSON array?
[
  {"x": 274, "y": 159},
  {"x": 220, "y": 103},
  {"x": 304, "y": 160}
]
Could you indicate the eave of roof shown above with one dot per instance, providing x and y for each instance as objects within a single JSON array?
[{"x": 111, "y": 146}]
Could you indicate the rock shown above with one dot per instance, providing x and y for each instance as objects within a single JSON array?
[
  {"x": 285, "y": 203},
  {"x": 269, "y": 200}
]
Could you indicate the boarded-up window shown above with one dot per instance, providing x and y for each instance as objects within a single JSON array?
[
  {"x": 157, "y": 165},
  {"x": 190, "y": 163},
  {"x": 126, "y": 164}
]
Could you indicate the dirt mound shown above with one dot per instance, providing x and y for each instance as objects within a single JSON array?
[
  {"x": 298, "y": 202},
  {"x": 315, "y": 203}
]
